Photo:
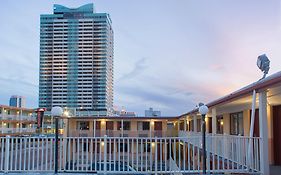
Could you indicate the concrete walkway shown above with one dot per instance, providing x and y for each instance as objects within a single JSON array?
[{"x": 275, "y": 170}]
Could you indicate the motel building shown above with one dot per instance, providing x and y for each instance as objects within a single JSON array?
[
  {"x": 163, "y": 145},
  {"x": 16, "y": 121}
]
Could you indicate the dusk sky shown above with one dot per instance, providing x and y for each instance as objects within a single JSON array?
[{"x": 168, "y": 55}]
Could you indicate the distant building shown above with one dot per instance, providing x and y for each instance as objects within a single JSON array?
[
  {"x": 17, "y": 101},
  {"x": 124, "y": 113},
  {"x": 151, "y": 113},
  {"x": 16, "y": 121},
  {"x": 76, "y": 60}
]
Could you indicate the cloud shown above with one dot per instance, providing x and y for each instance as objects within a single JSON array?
[
  {"x": 139, "y": 67},
  {"x": 170, "y": 101}
]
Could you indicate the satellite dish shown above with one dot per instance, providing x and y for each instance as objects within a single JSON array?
[{"x": 263, "y": 64}]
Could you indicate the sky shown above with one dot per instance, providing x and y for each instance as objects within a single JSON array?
[{"x": 168, "y": 54}]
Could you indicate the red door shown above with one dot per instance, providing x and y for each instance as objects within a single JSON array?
[
  {"x": 277, "y": 134},
  {"x": 109, "y": 128},
  {"x": 158, "y": 129},
  {"x": 98, "y": 128},
  {"x": 109, "y": 125},
  {"x": 158, "y": 126}
]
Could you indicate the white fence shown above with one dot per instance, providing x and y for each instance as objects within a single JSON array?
[{"x": 123, "y": 155}]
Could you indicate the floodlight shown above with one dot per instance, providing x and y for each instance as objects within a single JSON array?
[{"x": 263, "y": 64}]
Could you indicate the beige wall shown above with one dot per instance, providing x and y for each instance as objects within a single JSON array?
[
  {"x": 226, "y": 123},
  {"x": 134, "y": 124},
  {"x": 246, "y": 122},
  {"x": 270, "y": 134}
]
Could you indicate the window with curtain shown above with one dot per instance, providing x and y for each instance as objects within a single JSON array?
[
  {"x": 236, "y": 123},
  {"x": 220, "y": 124}
]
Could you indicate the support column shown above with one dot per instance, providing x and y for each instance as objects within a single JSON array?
[
  {"x": 91, "y": 128},
  {"x": 214, "y": 121},
  {"x": 263, "y": 132},
  {"x": 95, "y": 123},
  {"x": 195, "y": 123},
  {"x": 122, "y": 128},
  {"x": 185, "y": 118}
]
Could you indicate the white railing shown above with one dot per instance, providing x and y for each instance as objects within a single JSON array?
[
  {"x": 229, "y": 149},
  {"x": 16, "y": 130},
  {"x": 17, "y": 117},
  {"x": 115, "y": 155}
]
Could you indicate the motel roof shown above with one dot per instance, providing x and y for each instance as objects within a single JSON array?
[{"x": 262, "y": 84}]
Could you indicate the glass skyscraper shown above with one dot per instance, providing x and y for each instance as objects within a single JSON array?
[
  {"x": 76, "y": 60},
  {"x": 17, "y": 101}
]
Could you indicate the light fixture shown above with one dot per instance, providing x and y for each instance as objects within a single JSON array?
[
  {"x": 221, "y": 122},
  {"x": 263, "y": 64},
  {"x": 56, "y": 111},
  {"x": 103, "y": 122},
  {"x": 66, "y": 113},
  {"x": 203, "y": 109}
]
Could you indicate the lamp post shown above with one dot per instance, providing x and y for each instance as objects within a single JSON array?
[
  {"x": 56, "y": 112},
  {"x": 203, "y": 110}
]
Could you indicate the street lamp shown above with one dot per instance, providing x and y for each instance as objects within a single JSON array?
[
  {"x": 56, "y": 112},
  {"x": 203, "y": 110}
]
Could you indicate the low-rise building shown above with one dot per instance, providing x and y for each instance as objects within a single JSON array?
[
  {"x": 16, "y": 121},
  {"x": 120, "y": 126}
]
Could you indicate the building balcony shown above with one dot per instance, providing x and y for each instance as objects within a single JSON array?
[
  {"x": 19, "y": 118},
  {"x": 17, "y": 130}
]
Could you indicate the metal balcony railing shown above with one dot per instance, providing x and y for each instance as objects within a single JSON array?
[
  {"x": 128, "y": 155},
  {"x": 17, "y": 130},
  {"x": 17, "y": 117}
]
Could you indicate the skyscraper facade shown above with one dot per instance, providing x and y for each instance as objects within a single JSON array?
[
  {"x": 76, "y": 60},
  {"x": 17, "y": 101}
]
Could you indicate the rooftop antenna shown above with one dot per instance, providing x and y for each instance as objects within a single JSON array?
[{"x": 263, "y": 64}]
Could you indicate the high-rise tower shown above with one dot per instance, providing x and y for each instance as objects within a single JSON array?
[
  {"x": 17, "y": 101},
  {"x": 76, "y": 60}
]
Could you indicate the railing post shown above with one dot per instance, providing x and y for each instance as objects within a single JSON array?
[
  {"x": 7, "y": 153},
  {"x": 104, "y": 154}
]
